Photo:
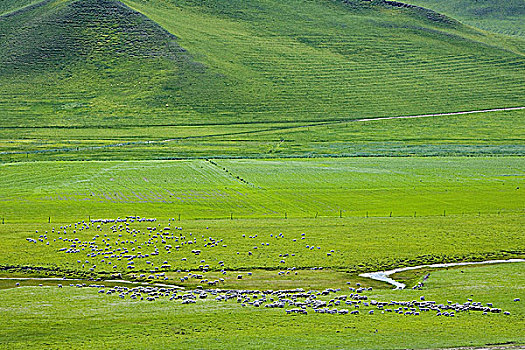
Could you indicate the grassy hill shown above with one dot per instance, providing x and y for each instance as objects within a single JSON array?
[
  {"x": 498, "y": 16},
  {"x": 100, "y": 63},
  {"x": 92, "y": 62}
]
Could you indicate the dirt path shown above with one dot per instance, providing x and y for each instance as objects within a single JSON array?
[
  {"x": 443, "y": 114},
  {"x": 486, "y": 347}
]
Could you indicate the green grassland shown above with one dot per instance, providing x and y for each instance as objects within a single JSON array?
[
  {"x": 73, "y": 318},
  {"x": 241, "y": 121},
  {"x": 99, "y": 63},
  {"x": 68, "y": 191},
  {"x": 492, "y": 15},
  {"x": 359, "y": 244},
  {"x": 375, "y": 212},
  {"x": 494, "y": 133}
]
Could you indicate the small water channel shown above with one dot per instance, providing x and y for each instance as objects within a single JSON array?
[{"x": 384, "y": 275}]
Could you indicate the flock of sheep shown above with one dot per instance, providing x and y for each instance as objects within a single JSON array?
[
  {"x": 298, "y": 301},
  {"x": 123, "y": 243}
]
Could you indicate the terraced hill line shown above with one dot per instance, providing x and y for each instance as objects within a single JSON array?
[{"x": 289, "y": 128}]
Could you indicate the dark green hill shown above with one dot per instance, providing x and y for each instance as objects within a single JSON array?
[
  {"x": 86, "y": 62},
  {"x": 105, "y": 63},
  {"x": 89, "y": 31}
]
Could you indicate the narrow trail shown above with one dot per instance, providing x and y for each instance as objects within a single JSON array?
[
  {"x": 442, "y": 114},
  {"x": 383, "y": 276},
  {"x": 251, "y": 132}
]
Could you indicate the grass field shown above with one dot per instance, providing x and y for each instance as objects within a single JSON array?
[
  {"x": 495, "y": 133},
  {"x": 240, "y": 126},
  {"x": 107, "y": 322},
  {"x": 375, "y": 212},
  {"x": 359, "y": 244},
  {"x": 68, "y": 191}
]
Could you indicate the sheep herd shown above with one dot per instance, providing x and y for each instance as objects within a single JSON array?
[
  {"x": 153, "y": 251},
  {"x": 159, "y": 248},
  {"x": 331, "y": 301}
]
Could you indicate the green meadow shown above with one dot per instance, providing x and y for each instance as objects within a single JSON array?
[
  {"x": 280, "y": 145},
  {"x": 478, "y": 134},
  {"x": 271, "y": 188},
  {"x": 73, "y": 318}
]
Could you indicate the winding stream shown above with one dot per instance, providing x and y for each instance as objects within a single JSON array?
[{"x": 384, "y": 275}]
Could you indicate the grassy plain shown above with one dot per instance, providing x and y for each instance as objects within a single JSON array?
[
  {"x": 374, "y": 212},
  {"x": 360, "y": 244},
  {"x": 494, "y": 133},
  {"x": 36, "y": 316},
  {"x": 68, "y": 191}
]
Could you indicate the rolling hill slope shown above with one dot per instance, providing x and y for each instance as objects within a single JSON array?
[
  {"x": 103, "y": 63},
  {"x": 506, "y": 17}
]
